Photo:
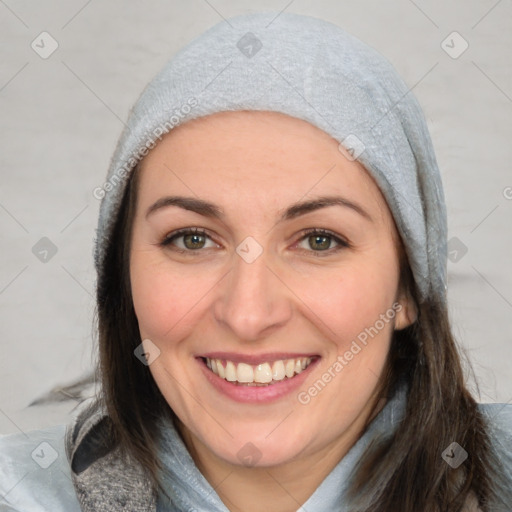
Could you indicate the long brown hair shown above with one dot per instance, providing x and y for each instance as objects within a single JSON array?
[{"x": 402, "y": 473}]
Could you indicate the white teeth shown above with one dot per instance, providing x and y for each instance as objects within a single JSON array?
[
  {"x": 244, "y": 373},
  {"x": 230, "y": 371},
  {"x": 278, "y": 370},
  {"x": 263, "y": 373},
  {"x": 289, "y": 368}
]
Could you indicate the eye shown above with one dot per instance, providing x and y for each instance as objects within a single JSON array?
[
  {"x": 193, "y": 239},
  {"x": 320, "y": 240}
]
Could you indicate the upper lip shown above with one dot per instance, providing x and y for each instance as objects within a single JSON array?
[{"x": 256, "y": 358}]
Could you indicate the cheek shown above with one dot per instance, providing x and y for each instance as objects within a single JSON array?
[
  {"x": 350, "y": 300},
  {"x": 355, "y": 307},
  {"x": 165, "y": 301}
]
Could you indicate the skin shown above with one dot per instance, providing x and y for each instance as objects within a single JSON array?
[{"x": 292, "y": 298}]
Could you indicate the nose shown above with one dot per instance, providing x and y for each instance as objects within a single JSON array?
[{"x": 253, "y": 300}]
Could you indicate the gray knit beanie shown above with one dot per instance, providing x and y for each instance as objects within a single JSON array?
[{"x": 313, "y": 70}]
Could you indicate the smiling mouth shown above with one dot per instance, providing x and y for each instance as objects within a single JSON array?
[{"x": 263, "y": 374}]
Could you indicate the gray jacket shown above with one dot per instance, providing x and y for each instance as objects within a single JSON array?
[{"x": 73, "y": 468}]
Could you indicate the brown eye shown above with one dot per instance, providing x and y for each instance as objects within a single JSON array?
[
  {"x": 320, "y": 240},
  {"x": 193, "y": 241},
  {"x": 187, "y": 240}
]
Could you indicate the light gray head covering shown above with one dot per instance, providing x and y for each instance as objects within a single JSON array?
[{"x": 310, "y": 69}]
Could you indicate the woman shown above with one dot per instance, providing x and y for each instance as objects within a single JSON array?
[{"x": 273, "y": 328}]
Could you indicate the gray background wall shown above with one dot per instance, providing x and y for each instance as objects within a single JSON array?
[{"x": 61, "y": 116}]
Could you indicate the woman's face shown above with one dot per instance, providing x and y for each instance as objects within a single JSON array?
[{"x": 255, "y": 293}]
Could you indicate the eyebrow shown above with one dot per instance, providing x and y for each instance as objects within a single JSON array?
[{"x": 211, "y": 210}]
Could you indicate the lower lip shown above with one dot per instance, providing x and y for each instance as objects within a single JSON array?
[{"x": 256, "y": 394}]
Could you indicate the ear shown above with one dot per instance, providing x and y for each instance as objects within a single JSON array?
[{"x": 407, "y": 313}]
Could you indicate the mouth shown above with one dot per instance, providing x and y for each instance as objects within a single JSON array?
[{"x": 262, "y": 374}]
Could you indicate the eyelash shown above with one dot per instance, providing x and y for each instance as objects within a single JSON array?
[{"x": 342, "y": 244}]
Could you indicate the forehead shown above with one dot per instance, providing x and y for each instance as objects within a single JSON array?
[{"x": 265, "y": 158}]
